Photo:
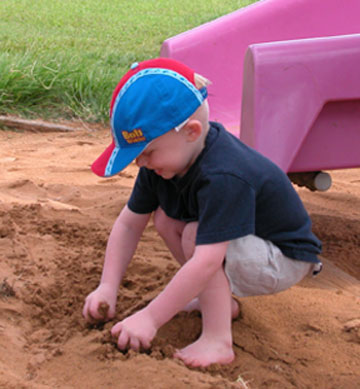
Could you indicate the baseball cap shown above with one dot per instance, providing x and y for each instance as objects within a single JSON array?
[{"x": 152, "y": 98}]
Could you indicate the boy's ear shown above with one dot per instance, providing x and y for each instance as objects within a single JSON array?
[{"x": 192, "y": 130}]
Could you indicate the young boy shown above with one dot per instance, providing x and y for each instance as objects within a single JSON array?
[{"x": 228, "y": 215}]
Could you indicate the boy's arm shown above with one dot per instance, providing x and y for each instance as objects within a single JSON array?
[
  {"x": 123, "y": 239},
  {"x": 188, "y": 282},
  {"x": 139, "y": 329}
]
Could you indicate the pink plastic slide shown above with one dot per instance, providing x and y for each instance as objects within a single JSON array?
[
  {"x": 301, "y": 102},
  {"x": 314, "y": 125}
]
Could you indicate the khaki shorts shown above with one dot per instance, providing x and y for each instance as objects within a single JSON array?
[{"x": 256, "y": 267}]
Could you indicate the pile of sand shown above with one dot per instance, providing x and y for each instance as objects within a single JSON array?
[{"x": 55, "y": 217}]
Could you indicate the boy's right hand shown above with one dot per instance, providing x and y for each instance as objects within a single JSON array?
[{"x": 99, "y": 305}]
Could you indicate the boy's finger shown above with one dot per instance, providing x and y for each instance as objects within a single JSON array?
[
  {"x": 93, "y": 313},
  {"x": 123, "y": 340},
  {"x": 115, "y": 331},
  {"x": 134, "y": 343},
  {"x": 111, "y": 313},
  {"x": 103, "y": 310},
  {"x": 93, "y": 319},
  {"x": 145, "y": 344},
  {"x": 86, "y": 313}
]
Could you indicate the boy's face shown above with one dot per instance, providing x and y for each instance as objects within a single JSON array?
[{"x": 168, "y": 155}]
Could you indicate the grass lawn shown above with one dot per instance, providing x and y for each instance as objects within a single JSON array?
[{"x": 62, "y": 58}]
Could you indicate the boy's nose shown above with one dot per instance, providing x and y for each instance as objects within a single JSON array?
[{"x": 141, "y": 161}]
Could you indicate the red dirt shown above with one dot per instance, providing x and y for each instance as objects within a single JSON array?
[{"x": 55, "y": 217}]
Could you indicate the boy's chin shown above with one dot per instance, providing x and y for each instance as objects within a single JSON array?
[
  {"x": 163, "y": 174},
  {"x": 168, "y": 176}
]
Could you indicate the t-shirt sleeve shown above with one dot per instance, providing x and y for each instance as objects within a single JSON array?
[
  {"x": 143, "y": 198},
  {"x": 226, "y": 209}
]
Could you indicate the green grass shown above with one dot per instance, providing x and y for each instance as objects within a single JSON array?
[{"x": 62, "y": 58}]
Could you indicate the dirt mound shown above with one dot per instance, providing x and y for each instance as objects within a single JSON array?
[{"x": 55, "y": 217}]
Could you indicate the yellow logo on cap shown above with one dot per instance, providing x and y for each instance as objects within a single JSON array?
[{"x": 133, "y": 136}]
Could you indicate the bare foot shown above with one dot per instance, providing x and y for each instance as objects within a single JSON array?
[
  {"x": 194, "y": 305},
  {"x": 205, "y": 352}
]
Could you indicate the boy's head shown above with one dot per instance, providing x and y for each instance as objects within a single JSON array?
[{"x": 152, "y": 98}]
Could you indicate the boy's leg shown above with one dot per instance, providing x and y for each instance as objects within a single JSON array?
[
  {"x": 171, "y": 231},
  {"x": 181, "y": 243},
  {"x": 255, "y": 267},
  {"x": 215, "y": 342}
]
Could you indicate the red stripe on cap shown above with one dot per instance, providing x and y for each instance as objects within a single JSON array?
[{"x": 163, "y": 63}]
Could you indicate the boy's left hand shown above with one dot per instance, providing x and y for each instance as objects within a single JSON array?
[{"x": 135, "y": 332}]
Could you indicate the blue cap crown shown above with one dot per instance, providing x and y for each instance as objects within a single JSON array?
[{"x": 149, "y": 103}]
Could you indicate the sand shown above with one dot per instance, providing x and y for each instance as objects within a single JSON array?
[{"x": 55, "y": 217}]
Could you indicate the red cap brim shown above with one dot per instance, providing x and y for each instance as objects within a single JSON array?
[{"x": 99, "y": 166}]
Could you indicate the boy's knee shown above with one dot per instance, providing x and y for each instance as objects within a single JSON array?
[
  {"x": 165, "y": 225},
  {"x": 160, "y": 221},
  {"x": 169, "y": 229},
  {"x": 188, "y": 239}
]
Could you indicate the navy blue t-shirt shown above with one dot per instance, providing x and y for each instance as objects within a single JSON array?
[{"x": 232, "y": 191}]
